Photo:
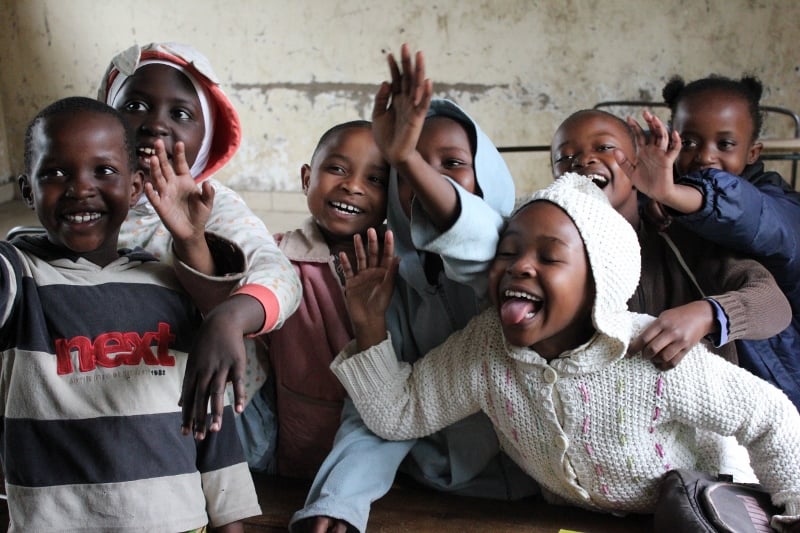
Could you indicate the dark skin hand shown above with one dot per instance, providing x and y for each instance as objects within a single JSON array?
[{"x": 219, "y": 354}]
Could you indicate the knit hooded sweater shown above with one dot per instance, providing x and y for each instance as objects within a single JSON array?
[{"x": 593, "y": 427}]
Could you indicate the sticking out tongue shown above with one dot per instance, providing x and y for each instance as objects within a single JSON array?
[{"x": 515, "y": 310}]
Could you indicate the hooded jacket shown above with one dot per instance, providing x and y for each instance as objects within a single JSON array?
[{"x": 757, "y": 214}]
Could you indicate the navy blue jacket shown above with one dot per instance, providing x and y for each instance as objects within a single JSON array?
[{"x": 757, "y": 214}]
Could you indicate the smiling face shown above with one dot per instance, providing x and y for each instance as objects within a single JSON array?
[
  {"x": 80, "y": 182},
  {"x": 159, "y": 102},
  {"x": 717, "y": 131},
  {"x": 540, "y": 281},
  {"x": 585, "y": 143},
  {"x": 346, "y": 185},
  {"x": 443, "y": 144}
]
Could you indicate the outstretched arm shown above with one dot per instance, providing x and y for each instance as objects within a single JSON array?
[
  {"x": 398, "y": 117},
  {"x": 183, "y": 208},
  {"x": 653, "y": 172}
]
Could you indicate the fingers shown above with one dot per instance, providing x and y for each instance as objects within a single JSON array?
[
  {"x": 395, "y": 72},
  {"x": 186, "y": 401},
  {"x": 638, "y": 133},
  {"x": 388, "y": 248},
  {"x": 208, "y": 193},
  {"x": 373, "y": 248},
  {"x": 179, "y": 157},
  {"x": 200, "y": 408},
  {"x": 381, "y": 100},
  {"x": 407, "y": 82},
  {"x": 347, "y": 268},
  {"x": 419, "y": 79},
  {"x": 360, "y": 253}
]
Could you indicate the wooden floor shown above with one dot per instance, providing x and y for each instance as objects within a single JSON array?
[
  {"x": 406, "y": 509},
  {"x": 414, "y": 509}
]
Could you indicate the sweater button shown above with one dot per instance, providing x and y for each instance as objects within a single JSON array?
[{"x": 549, "y": 375}]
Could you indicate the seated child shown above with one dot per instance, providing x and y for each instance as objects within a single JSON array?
[
  {"x": 697, "y": 290},
  {"x": 445, "y": 155},
  {"x": 103, "y": 334},
  {"x": 547, "y": 364},
  {"x": 168, "y": 91},
  {"x": 345, "y": 186},
  {"x": 722, "y": 193}
]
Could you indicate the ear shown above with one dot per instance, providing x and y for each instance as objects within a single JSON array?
[
  {"x": 754, "y": 152},
  {"x": 26, "y": 189},
  {"x": 305, "y": 177},
  {"x": 137, "y": 187}
]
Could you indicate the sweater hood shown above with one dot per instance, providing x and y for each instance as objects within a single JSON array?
[
  {"x": 227, "y": 132},
  {"x": 491, "y": 173},
  {"x": 613, "y": 250}
]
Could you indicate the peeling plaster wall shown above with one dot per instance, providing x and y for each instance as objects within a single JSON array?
[{"x": 295, "y": 68}]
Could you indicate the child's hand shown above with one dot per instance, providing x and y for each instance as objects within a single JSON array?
[
  {"x": 218, "y": 356},
  {"x": 183, "y": 208},
  {"x": 400, "y": 108},
  {"x": 669, "y": 337},
  {"x": 652, "y": 173},
  {"x": 368, "y": 291}
]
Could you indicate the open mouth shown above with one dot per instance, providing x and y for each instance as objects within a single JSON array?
[
  {"x": 519, "y": 306},
  {"x": 82, "y": 218},
  {"x": 347, "y": 209},
  {"x": 600, "y": 181}
]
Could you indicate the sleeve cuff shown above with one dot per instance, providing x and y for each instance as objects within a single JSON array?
[{"x": 268, "y": 301}]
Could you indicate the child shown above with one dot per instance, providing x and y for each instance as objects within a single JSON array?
[
  {"x": 95, "y": 343},
  {"x": 722, "y": 193},
  {"x": 436, "y": 154},
  {"x": 547, "y": 364},
  {"x": 345, "y": 186},
  {"x": 168, "y": 91},
  {"x": 696, "y": 289}
]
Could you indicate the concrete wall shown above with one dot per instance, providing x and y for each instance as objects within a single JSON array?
[{"x": 295, "y": 68}]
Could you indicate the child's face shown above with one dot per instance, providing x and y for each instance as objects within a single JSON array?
[
  {"x": 160, "y": 103},
  {"x": 81, "y": 184},
  {"x": 717, "y": 132},
  {"x": 444, "y": 145},
  {"x": 346, "y": 185},
  {"x": 585, "y": 144},
  {"x": 540, "y": 281}
]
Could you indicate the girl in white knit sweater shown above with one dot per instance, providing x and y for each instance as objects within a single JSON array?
[{"x": 547, "y": 364}]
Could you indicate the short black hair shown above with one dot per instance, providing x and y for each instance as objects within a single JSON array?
[
  {"x": 749, "y": 88},
  {"x": 591, "y": 111},
  {"x": 74, "y": 105},
  {"x": 366, "y": 124}
]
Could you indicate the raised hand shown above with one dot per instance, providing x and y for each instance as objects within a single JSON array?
[
  {"x": 652, "y": 173},
  {"x": 368, "y": 291},
  {"x": 183, "y": 208},
  {"x": 401, "y": 106}
]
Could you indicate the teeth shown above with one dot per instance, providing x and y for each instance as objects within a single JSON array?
[
  {"x": 147, "y": 151},
  {"x": 519, "y": 294},
  {"x": 600, "y": 180},
  {"x": 80, "y": 218},
  {"x": 347, "y": 208}
]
